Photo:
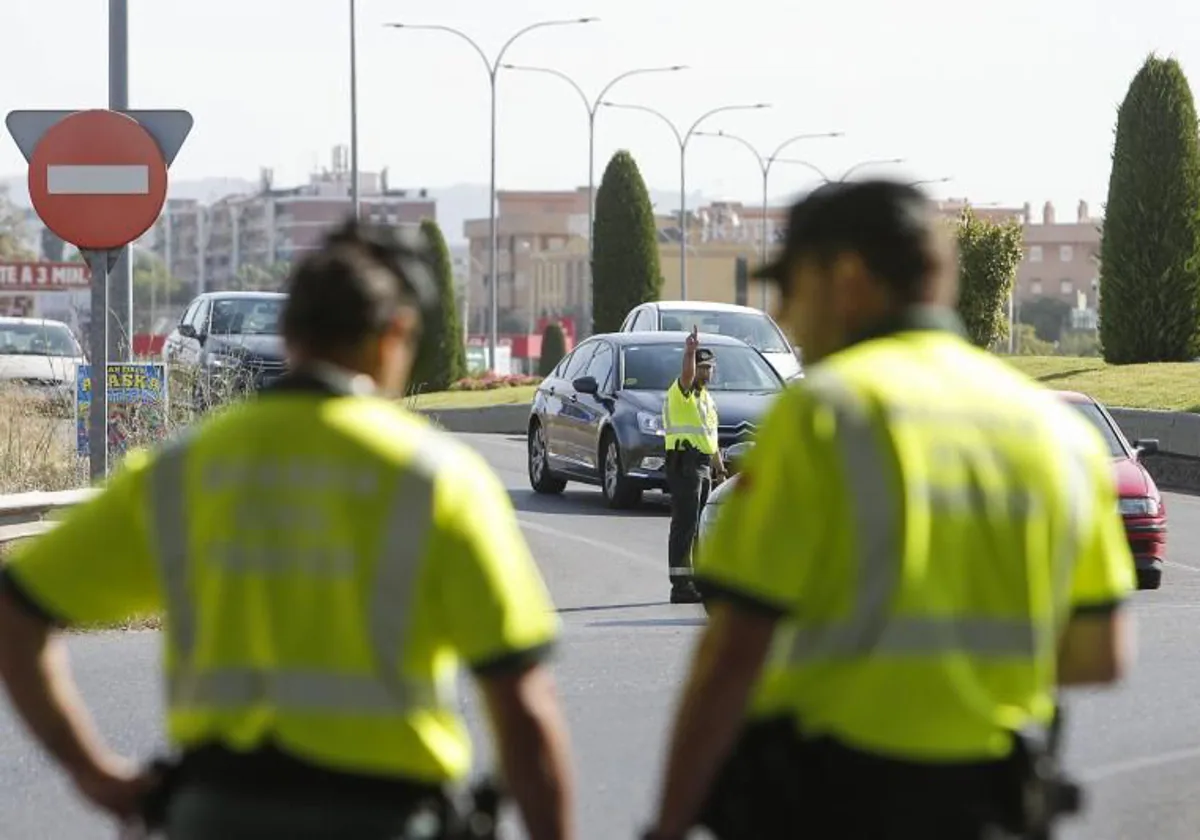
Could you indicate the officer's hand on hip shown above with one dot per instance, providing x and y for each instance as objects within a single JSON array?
[{"x": 116, "y": 786}]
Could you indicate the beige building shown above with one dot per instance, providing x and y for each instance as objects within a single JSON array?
[
  {"x": 1062, "y": 259},
  {"x": 543, "y": 254}
]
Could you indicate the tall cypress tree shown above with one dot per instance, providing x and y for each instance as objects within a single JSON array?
[
  {"x": 442, "y": 360},
  {"x": 625, "y": 270},
  {"x": 1149, "y": 272}
]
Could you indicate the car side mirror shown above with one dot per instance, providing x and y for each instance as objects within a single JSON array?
[
  {"x": 1149, "y": 446},
  {"x": 188, "y": 331},
  {"x": 586, "y": 385}
]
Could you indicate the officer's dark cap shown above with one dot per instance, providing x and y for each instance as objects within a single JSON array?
[
  {"x": 890, "y": 225},
  {"x": 704, "y": 356}
]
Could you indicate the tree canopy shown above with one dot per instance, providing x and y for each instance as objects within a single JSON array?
[
  {"x": 625, "y": 267},
  {"x": 989, "y": 254}
]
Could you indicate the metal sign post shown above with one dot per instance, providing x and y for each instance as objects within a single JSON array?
[{"x": 98, "y": 358}]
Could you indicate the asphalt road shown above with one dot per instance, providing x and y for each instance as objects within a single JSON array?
[{"x": 622, "y": 663}]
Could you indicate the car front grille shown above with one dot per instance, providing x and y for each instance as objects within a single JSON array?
[{"x": 739, "y": 433}]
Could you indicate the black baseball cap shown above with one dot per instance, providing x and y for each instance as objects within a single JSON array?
[
  {"x": 704, "y": 356},
  {"x": 890, "y": 224}
]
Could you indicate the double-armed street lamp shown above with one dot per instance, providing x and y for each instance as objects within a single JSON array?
[
  {"x": 593, "y": 106},
  {"x": 860, "y": 165},
  {"x": 683, "y": 138},
  {"x": 764, "y": 164},
  {"x": 493, "y": 67}
]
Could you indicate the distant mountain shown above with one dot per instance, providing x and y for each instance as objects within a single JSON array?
[{"x": 455, "y": 204}]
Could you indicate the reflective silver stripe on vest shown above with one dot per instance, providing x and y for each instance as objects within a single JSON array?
[
  {"x": 877, "y": 522},
  {"x": 402, "y": 549}
]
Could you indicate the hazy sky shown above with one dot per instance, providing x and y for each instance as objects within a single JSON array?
[{"x": 1016, "y": 99}]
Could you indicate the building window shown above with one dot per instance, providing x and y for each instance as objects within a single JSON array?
[
  {"x": 1066, "y": 287},
  {"x": 1035, "y": 253},
  {"x": 1035, "y": 287},
  {"x": 1066, "y": 253}
]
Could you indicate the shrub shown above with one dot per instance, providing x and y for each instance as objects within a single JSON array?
[
  {"x": 554, "y": 347},
  {"x": 1149, "y": 266},
  {"x": 442, "y": 359},
  {"x": 625, "y": 269},
  {"x": 988, "y": 257},
  {"x": 491, "y": 381}
]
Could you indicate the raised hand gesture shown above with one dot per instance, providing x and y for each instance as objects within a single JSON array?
[{"x": 693, "y": 339}]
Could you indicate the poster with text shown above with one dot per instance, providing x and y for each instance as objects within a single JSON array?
[{"x": 137, "y": 405}]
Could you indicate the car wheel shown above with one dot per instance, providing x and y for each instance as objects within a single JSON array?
[
  {"x": 619, "y": 492},
  {"x": 540, "y": 478}
]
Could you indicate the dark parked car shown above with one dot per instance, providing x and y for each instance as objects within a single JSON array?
[
  {"x": 597, "y": 418},
  {"x": 228, "y": 343}
]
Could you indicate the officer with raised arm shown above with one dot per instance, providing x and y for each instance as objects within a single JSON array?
[
  {"x": 693, "y": 460},
  {"x": 324, "y": 560},
  {"x": 923, "y": 546}
]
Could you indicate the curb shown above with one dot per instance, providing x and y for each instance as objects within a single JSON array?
[{"x": 1176, "y": 467}]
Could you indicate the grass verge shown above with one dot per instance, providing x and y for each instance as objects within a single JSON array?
[
  {"x": 1163, "y": 386},
  {"x": 518, "y": 395}
]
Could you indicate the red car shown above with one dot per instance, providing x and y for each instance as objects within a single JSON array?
[{"x": 1141, "y": 504}]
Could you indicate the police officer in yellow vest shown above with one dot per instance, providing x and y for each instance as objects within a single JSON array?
[
  {"x": 693, "y": 456},
  {"x": 923, "y": 546},
  {"x": 324, "y": 560}
]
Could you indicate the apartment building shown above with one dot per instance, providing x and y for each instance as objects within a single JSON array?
[
  {"x": 207, "y": 246},
  {"x": 533, "y": 228},
  {"x": 1062, "y": 259}
]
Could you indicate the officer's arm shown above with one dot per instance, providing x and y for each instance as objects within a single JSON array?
[
  {"x": 498, "y": 616},
  {"x": 1097, "y": 643},
  {"x": 94, "y": 566},
  {"x": 687, "y": 376}
]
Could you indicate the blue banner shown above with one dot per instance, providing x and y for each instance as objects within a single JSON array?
[{"x": 137, "y": 404}]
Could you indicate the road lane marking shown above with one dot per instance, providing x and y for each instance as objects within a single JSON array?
[
  {"x": 1179, "y": 565},
  {"x": 567, "y": 535},
  {"x": 1120, "y": 768}
]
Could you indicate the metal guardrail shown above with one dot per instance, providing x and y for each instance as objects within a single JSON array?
[{"x": 29, "y": 514}]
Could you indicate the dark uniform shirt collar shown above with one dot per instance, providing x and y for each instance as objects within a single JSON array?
[
  {"x": 916, "y": 318},
  {"x": 325, "y": 379}
]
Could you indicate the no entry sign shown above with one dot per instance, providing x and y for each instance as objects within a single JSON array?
[{"x": 98, "y": 179}]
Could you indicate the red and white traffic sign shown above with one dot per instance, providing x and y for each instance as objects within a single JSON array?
[{"x": 98, "y": 179}]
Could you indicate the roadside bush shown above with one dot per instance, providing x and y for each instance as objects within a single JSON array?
[
  {"x": 988, "y": 257},
  {"x": 554, "y": 347},
  {"x": 443, "y": 358}
]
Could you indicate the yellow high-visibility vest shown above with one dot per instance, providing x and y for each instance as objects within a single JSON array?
[
  {"x": 690, "y": 418},
  {"x": 320, "y": 587},
  {"x": 926, "y": 519}
]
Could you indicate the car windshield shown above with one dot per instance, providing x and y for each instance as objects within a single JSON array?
[
  {"x": 754, "y": 328},
  {"x": 246, "y": 316},
  {"x": 38, "y": 340},
  {"x": 653, "y": 367},
  {"x": 1097, "y": 419}
]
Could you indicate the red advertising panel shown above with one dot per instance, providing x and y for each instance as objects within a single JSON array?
[{"x": 43, "y": 276}]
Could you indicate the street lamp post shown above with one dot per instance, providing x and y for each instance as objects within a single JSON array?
[
  {"x": 493, "y": 66},
  {"x": 765, "y": 164},
  {"x": 682, "y": 138},
  {"x": 354, "y": 110},
  {"x": 861, "y": 164},
  {"x": 927, "y": 181},
  {"x": 593, "y": 107}
]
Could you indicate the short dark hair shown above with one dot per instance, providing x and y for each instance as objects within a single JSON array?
[
  {"x": 350, "y": 288},
  {"x": 890, "y": 225}
]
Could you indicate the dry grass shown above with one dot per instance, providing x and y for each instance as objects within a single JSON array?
[{"x": 1165, "y": 386}]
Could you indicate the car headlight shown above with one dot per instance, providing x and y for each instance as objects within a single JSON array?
[
  {"x": 649, "y": 424},
  {"x": 1139, "y": 506}
]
